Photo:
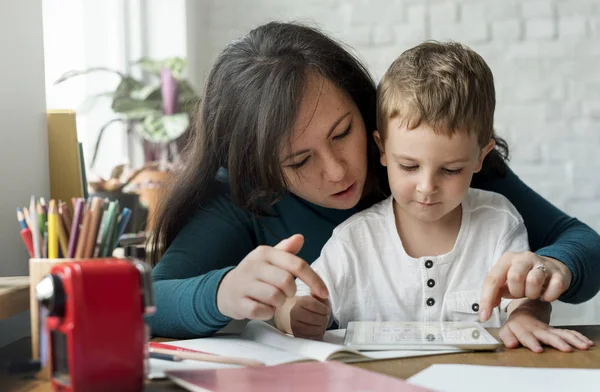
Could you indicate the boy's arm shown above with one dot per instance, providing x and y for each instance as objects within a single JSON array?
[{"x": 538, "y": 309}]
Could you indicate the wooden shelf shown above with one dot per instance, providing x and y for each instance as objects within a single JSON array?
[{"x": 14, "y": 295}]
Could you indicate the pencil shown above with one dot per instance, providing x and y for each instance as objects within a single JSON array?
[
  {"x": 35, "y": 229},
  {"x": 45, "y": 245},
  {"x": 27, "y": 217},
  {"x": 21, "y": 218},
  {"x": 63, "y": 239},
  {"x": 96, "y": 211},
  {"x": 52, "y": 231},
  {"x": 75, "y": 229},
  {"x": 42, "y": 218},
  {"x": 165, "y": 357},
  {"x": 208, "y": 357},
  {"x": 44, "y": 206},
  {"x": 84, "y": 230},
  {"x": 27, "y": 240},
  {"x": 65, "y": 217}
]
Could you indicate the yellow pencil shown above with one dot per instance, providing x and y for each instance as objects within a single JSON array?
[
  {"x": 63, "y": 238},
  {"x": 52, "y": 231}
]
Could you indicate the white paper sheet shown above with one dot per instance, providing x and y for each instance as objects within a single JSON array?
[{"x": 471, "y": 378}]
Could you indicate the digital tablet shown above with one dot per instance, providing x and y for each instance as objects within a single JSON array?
[{"x": 392, "y": 335}]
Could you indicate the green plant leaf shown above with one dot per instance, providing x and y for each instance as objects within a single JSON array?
[
  {"x": 133, "y": 111},
  {"x": 176, "y": 65},
  {"x": 176, "y": 124},
  {"x": 127, "y": 86},
  {"x": 148, "y": 92},
  {"x": 158, "y": 128}
]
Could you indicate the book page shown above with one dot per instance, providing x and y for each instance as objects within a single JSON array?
[
  {"x": 236, "y": 346},
  {"x": 264, "y": 333}
]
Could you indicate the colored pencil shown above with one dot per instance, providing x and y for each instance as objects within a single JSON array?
[
  {"x": 99, "y": 237},
  {"x": 208, "y": 357},
  {"x": 63, "y": 239},
  {"x": 65, "y": 217},
  {"x": 75, "y": 227},
  {"x": 52, "y": 231},
  {"x": 84, "y": 230},
  {"x": 165, "y": 357},
  {"x": 35, "y": 229},
  {"x": 27, "y": 217},
  {"x": 27, "y": 240},
  {"x": 41, "y": 217},
  {"x": 21, "y": 218},
  {"x": 96, "y": 211}
]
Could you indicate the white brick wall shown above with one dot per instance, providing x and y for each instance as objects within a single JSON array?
[{"x": 545, "y": 55}]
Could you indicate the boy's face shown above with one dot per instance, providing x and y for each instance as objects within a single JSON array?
[{"x": 429, "y": 174}]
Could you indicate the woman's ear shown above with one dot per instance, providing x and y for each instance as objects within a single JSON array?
[
  {"x": 379, "y": 142},
  {"x": 483, "y": 153}
]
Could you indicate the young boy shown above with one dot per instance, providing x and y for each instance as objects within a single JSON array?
[{"x": 423, "y": 253}]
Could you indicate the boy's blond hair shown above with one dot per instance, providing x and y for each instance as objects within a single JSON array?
[{"x": 446, "y": 85}]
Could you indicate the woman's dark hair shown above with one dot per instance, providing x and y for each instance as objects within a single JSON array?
[{"x": 248, "y": 109}]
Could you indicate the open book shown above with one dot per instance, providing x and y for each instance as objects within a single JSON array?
[{"x": 262, "y": 342}]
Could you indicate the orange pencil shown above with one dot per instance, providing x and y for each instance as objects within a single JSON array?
[{"x": 96, "y": 212}]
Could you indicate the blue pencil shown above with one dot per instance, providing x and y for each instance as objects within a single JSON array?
[
  {"x": 21, "y": 218},
  {"x": 166, "y": 357}
]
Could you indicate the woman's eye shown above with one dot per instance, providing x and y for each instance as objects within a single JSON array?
[
  {"x": 408, "y": 168},
  {"x": 299, "y": 164},
  {"x": 452, "y": 171},
  {"x": 343, "y": 135}
]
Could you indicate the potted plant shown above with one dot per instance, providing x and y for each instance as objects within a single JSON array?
[{"x": 156, "y": 113}]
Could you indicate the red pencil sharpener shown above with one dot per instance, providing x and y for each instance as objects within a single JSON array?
[{"x": 96, "y": 331}]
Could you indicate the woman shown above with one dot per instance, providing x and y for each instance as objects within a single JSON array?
[{"x": 276, "y": 154}]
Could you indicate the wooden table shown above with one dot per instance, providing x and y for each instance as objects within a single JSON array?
[
  {"x": 404, "y": 368},
  {"x": 14, "y": 295}
]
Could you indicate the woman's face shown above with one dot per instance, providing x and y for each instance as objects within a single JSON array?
[{"x": 325, "y": 161}]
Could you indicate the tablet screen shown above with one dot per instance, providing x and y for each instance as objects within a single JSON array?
[{"x": 374, "y": 335}]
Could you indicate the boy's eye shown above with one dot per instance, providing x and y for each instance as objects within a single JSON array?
[
  {"x": 344, "y": 134},
  {"x": 299, "y": 164},
  {"x": 452, "y": 171},
  {"x": 408, "y": 168}
]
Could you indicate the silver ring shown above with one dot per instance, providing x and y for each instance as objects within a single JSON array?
[{"x": 542, "y": 268}]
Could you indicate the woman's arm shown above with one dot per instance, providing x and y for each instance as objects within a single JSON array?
[
  {"x": 216, "y": 238},
  {"x": 216, "y": 270},
  {"x": 553, "y": 234}
]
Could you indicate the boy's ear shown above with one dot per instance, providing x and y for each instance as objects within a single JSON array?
[
  {"x": 379, "y": 142},
  {"x": 483, "y": 153}
]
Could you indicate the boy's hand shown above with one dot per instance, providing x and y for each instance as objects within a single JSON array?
[
  {"x": 309, "y": 317},
  {"x": 524, "y": 328}
]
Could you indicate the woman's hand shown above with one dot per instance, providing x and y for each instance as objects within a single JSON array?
[
  {"x": 524, "y": 274},
  {"x": 264, "y": 279},
  {"x": 525, "y": 325}
]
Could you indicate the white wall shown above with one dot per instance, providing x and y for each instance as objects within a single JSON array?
[
  {"x": 23, "y": 135},
  {"x": 544, "y": 55}
]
